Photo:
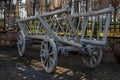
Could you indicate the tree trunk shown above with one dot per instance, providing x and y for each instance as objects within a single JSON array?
[
  {"x": 42, "y": 6},
  {"x": 64, "y": 3},
  {"x": 99, "y": 4},
  {"x": 17, "y": 9},
  {"x": 29, "y": 7},
  {"x": 57, "y": 4}
]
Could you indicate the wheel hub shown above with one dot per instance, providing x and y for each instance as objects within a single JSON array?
[
  {"x": 45, "y": 54},
  {"x": 19, "y": 43}
]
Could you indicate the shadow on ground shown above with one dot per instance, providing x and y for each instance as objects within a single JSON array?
[{"x": 13, "y": 67}]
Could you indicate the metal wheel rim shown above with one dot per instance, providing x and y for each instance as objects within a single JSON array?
[
  {"x": 94, "y": 59},
  {"x": 21, "y": 43},
  {"x": 48, "y": 55}
]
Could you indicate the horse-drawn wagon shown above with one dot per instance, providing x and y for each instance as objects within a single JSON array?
[{"x": 60, "y": 32}]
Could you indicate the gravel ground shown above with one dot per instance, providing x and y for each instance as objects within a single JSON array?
[{"x": 13, "y": 67}]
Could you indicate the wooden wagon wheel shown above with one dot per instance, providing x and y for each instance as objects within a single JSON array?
[
  {"x": 48, "y": 55},
  {"x": 21, "y": 43},
  {"x": 93, "y": 58}
]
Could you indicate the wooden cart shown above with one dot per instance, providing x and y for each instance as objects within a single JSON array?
[{"x": 60, "y": 32}]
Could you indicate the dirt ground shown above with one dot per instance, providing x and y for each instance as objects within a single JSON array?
[{"x": 13, "y": 67}]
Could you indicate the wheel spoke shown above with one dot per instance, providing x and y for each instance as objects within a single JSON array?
[
  {"x": 44, "y": 61},
  {"x": 50, "y": 63},
  {"x": 51, "y": 59},
  {"x": 50, "y": 49},
  {"x": 42, "y": 56},
  {"x": 97, "y": 53},
  {"x": 93, "y": 57},
  {"x": 91, "y": 61},
  {"x": 19, "y": 37},
  {"x": 47, "y": 64},
  {"x": 46, "y": 46},
  {"x": 19, "y": 40},
  {"x": 51, "y": 54},
  {"x": 19, "y": 43}
]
